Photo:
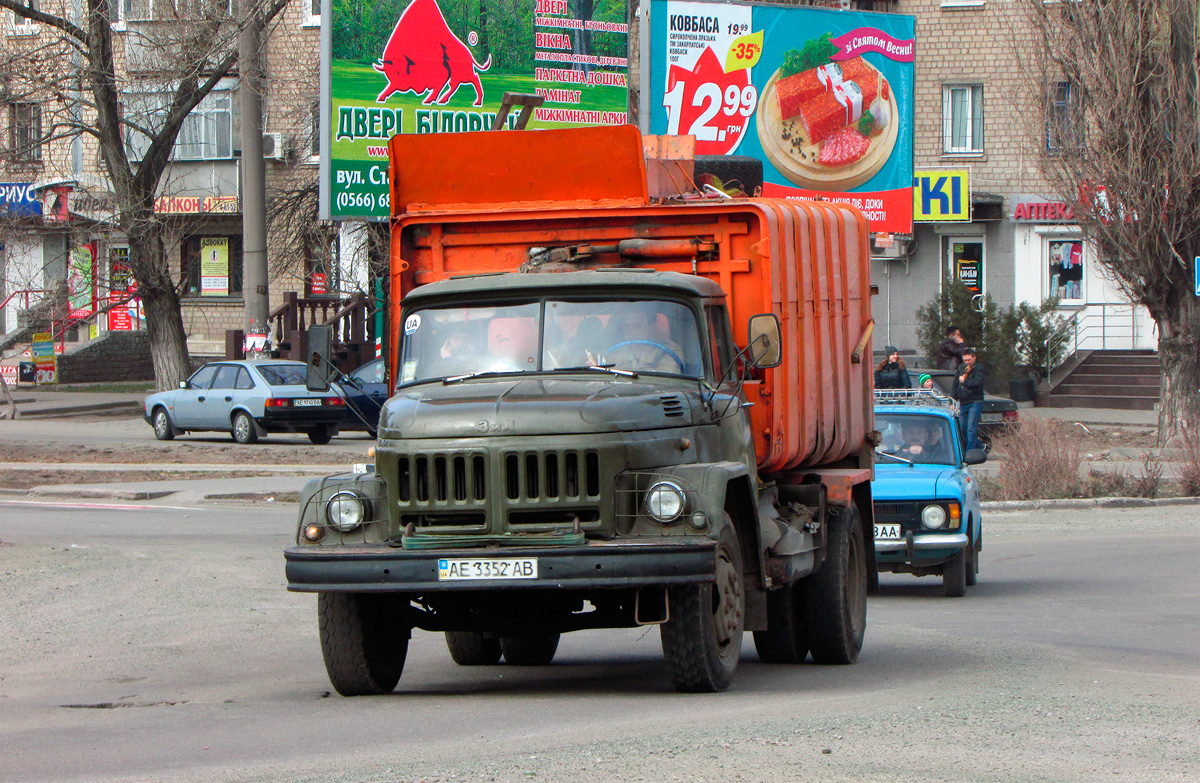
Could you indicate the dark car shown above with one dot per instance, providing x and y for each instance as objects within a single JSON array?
[
  {"x": 365, "y": 391},
  {"x": 247, "y": 399},
  {"x": 999, "y": 413}
]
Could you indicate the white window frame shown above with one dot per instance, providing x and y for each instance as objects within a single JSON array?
[
  {"x": 126, "y": 11},
  {"x": 20, "y": 25},
  {"x": 206, "y": 117},
  {"x": 948, "y": 241},
  {"x": 313, "y": 16},
  {"x": 314, "y": 144},
  {"x": 1065, "y": 234},
  {"x": 974, "y": 94},
  {"x": 29, "y": 150}
]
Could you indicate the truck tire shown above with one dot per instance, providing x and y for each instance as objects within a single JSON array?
[
  {"x": 835, "y": 597},
  {"x": 784, "y": 640},
  {"x": 702, "y": 640},
  {"x": 742, "y": 170},
  {"x": 532, "y": 650},
  {"x": 363, "y": 643},
  {"x": 954, "y": 575},
  {"x": 163, "y": 428},
  {"x": 244, "y": 430},
  {"x": 471, "y": 648}
]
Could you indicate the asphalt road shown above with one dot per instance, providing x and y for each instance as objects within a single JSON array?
[{"x": 159, "y": 643}]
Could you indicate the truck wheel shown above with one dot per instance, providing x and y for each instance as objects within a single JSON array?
[
  {"x": 163, "y": 428},
  {"x": 835, "y": 598},
  {"x": 244, "y": 430},
  {"x": 470, "y": 648},
  {"x": 703, "y": 639},
  {"x": 784, "y": 640},
  {"x": 364, "y": 644},
  {"x": 954, "y": 575},
  {"x": 321, "y": 434},
  {"x": 535, "y": 649}
]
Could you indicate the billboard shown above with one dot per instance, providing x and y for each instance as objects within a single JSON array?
[
  {"x": 942, "y": 196},
  {"x": 823, "y": 98},
  {"x": 438, "y": 66}
]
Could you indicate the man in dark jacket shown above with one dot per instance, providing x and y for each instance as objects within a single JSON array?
[
  {"x": 950, "y": 350},
  {"x": 968, "y": 390}
]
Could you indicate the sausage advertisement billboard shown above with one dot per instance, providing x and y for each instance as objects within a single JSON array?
[
  {"x": 823, "y": 98},
  {"x": 436, "y": 66}
]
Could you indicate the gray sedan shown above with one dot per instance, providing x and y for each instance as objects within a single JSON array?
[{"x": 247, "y": 399}]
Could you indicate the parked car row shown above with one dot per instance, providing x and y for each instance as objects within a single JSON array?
[{"x": 250, "y": 399}]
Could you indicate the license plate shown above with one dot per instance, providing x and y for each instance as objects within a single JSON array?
[
  {"x": 992, "y": 418},
  {"x": 307, "y": 403},
  {"x": 451, "y": 569},
  {"x": 887, "y": 532}
]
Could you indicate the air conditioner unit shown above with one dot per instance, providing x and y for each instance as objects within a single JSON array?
[
  {"x": 273, "y": 146},
  {"x": 896, "y": 250}
]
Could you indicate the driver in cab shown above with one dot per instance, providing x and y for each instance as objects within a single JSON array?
[{"x": 637, "y": 343}]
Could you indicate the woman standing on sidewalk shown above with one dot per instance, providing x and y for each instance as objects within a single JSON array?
[{"x": 891, "y": 372}]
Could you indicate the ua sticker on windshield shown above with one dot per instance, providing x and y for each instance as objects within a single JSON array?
[{"x": 412, "y": 324}]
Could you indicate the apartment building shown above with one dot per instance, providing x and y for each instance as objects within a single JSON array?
[{"x": 1021, "y": 244}]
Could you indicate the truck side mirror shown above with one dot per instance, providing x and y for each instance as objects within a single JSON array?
[
  {"x": 766, "y": 344},
  {"x": 320, "y": 347}
]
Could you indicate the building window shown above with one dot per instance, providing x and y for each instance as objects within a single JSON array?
[
  {"x": 313, "y": 17},
  {"x": 1064, "y": 128},
  {"x": 166, "y": 10},
  {"x": 962, "y": 118},
  {"x": 207, "y": 133},
  {"x": 321, "y": 265},
  {"x": 964, "y": 258},
  {"x": 25, "y": 132},
  {"x": 314, "y": 147},
  {"x": 1065, "y": 260},
  {"x": 212, "y": 266},
  {"x": 22, "y": 25}
]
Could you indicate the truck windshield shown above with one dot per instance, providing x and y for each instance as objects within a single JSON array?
[{"x": 645, "y": 336}]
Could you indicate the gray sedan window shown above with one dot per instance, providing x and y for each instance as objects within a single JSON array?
[
  {"x": 202, "y": 378},
  {"x": 283, "y": 374},
  {"x": 244, "y": 380},
  {"x": 226, "y": 377}
]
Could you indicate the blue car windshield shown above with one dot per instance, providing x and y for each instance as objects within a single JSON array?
[
  {"x": 917, "y": 438},
  {"x": 282, "y": 374}
]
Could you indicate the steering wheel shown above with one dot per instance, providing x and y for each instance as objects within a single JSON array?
[{"x": 664, "y": 350}]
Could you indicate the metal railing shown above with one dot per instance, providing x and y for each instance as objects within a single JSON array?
[{"x": 1104, "y": 326}]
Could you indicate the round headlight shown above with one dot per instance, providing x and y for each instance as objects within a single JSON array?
[
  {"x": 933, "y": 516},
  {"x": 665, "y": 501},
  {"x": 345, "y": 511}
]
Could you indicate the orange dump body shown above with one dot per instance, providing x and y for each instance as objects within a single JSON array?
[{"x": 806, "y": 262}]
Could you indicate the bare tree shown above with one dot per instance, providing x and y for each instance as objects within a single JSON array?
[
  {"x": 1120, "y": 121},
  {"x": 84, "y": 80}
]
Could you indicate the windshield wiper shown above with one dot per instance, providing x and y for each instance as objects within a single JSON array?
[
  {"x": 481, "y": 374},
  {"x": 601, "y": 367},
  {"x": 895, "y": 457}
]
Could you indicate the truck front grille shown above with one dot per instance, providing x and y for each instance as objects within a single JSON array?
[
  {"x": 442, "y": 478},
  {"x": 552, "y": 475}
]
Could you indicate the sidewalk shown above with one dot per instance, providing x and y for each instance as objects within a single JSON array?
[{"x": 34, "y": 402}]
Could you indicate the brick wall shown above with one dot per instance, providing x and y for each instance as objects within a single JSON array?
[{"x": 115, "y": 356}]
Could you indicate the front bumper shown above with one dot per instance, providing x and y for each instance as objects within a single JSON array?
[
  {"x": 596, "y": 565},
  {"x": 924, "y": 543}
]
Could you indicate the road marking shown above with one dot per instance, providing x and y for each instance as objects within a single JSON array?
[{"x": 108, "y": 506}]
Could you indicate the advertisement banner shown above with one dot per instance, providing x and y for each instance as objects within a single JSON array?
[
  {"x": 823, "y": 98},
  {"x": 438, "y": 66},
  {"x": 45, "y": 361},
  {"x": 81, "y": 285},
  {"x": 214, "y": 266},
  {"x": 942, "y": 196}
]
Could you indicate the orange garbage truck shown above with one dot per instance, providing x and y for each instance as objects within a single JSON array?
[{"x": 611, "y": 407}]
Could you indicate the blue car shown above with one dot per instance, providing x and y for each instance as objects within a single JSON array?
[
  {"x": 247, "y": 399},
  {"x": 365, "y": 391},
  {"x": 927, "y": 513}
]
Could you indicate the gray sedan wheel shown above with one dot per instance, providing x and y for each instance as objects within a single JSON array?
[
  {"x": 243, "y": 428},
  {"x": 163, "y": 428}
]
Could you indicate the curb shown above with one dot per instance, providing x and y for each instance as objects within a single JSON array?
[
  {"x": 103, "y": 494},
  {"x": 76, "y": 410},
  {"x": 1066, "y": 503}
]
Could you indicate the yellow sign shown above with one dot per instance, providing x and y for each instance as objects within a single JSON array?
[
  {"x": 42, "y": 351},
  {"x": 214, "y": 266},
  {"x": 942, "y": 196},
  {"x": 744, "y": 52}
]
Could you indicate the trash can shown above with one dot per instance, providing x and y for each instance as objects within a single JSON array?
[{"x": 1021, "y": 389}]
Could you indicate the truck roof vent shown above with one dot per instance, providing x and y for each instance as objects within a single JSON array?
[{"x": 672, "y": 405}]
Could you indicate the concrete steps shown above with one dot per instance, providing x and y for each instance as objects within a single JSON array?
[{"x": 1118, "y": 380}]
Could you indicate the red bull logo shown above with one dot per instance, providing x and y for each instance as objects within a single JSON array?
[{"x": 424, "y": 56}]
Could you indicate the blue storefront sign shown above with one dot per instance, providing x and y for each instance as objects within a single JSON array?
[{"x": 20, "y": 199}]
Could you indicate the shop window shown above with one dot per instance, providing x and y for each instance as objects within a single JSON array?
[
  {"x": 25, "y": 132},
  {"x": 1064, "y": 120},
  {"x": 1065, "y": 259},
  {"x": 321, "y": 276},
  {"x": 212, "y": 266},
  {"x": 962, "y": 118},
  {"x": 965, "y": 259}
]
